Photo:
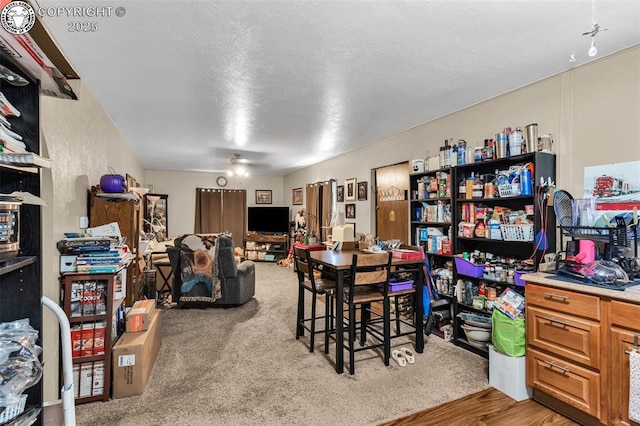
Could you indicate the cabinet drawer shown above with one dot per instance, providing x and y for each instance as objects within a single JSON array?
[
  {"x": 625, "y": 314},
  {"x": 583, "y": 305},
  {"x": 574, "y": 338},
  {"x": 564, "y": 381}
]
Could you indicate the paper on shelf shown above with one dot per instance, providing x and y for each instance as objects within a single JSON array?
[
  {"x": 109, "y": 230},
  {"x": 24, "y": 198}
]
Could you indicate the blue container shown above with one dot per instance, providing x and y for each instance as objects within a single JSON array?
[{"x": 526, "y": 187}]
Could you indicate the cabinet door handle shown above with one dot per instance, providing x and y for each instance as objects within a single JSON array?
[
  {"x": 553, "y": 364},
  {"x": 559, "y": 296},
  {"x": 556, "y": 321}
]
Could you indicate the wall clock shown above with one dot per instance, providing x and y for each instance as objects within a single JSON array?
[{"x": 221, "y": 181}]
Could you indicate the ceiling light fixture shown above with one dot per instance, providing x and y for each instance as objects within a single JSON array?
[
  {"x": 238, "y": 167},
  {"x": 595, "y": 29},
  {"x": 593, "y": 50}
]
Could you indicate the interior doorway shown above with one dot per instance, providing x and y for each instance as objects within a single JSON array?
[{"x": 392, "y": 205}]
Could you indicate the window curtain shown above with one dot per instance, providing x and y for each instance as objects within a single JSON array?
[
  {"x": 208, "y": 211},
  {"x": 313, "y": 208},
  {"x": 220, "y": 210},
  {"x": 320, "y": 204},
  {"x": 326, "y": 207}
]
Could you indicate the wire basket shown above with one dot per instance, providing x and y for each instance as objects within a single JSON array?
[
  {"x": 517, "y": 232},
  {"x": 509, "y": 190},
  {"x": 13, "y": 410}
]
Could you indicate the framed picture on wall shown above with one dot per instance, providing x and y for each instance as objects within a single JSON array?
[
  {"x": 362, "y": 191},
  {"x": 155, "y": 216},
  {"x": 296, "y": 196},
  {"x": 340, "y": 193},
  {"x": 263, "y": 196},
  {"x": 350, "y": 211},
  {"x": 350, "y": 189}
]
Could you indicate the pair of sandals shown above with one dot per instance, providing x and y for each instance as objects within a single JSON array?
[{"x": 403, "y": 356}]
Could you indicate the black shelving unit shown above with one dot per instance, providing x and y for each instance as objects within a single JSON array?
[
  {"x": 544, "y": 165},
  {"x": 431, "y": 196},
  {"x": 21, "y": 277}
]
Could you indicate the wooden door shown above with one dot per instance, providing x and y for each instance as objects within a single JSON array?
[{"x": 392, "y": 205}]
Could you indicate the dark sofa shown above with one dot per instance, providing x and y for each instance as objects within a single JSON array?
[{"x": 237, "y": 283}]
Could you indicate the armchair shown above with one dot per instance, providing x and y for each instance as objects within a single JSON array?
[{"x": 205, "y": 272}]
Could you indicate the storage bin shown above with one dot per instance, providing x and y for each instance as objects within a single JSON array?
[
  {"x": 464, "y": 267},
  {"x": 509, "y": 190},
  {"x": 517, "y": 277},
  {"x": 522, "y": 233},
  {"x": 507, "y": 374},
  {"x": 403, "y": 285},
  {"x": 12, "y": 411}
]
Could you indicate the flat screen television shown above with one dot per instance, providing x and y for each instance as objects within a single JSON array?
[{"x": 268, "y": 220}]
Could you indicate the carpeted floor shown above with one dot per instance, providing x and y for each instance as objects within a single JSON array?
[{"x": 243, "y": 366}]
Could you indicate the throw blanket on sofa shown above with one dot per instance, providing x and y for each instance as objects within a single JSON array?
[{"x": 199, "y": 269}]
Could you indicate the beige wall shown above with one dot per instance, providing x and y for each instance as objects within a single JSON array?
[
  {"x": 82, "y": 143},
  {"x": 592, "y": 111},
  {"x": 181, "y": 188}
]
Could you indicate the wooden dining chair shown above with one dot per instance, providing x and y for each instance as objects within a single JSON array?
[
  {"x": 368, "y": 283},
  {"x": 307, "y": 282}
]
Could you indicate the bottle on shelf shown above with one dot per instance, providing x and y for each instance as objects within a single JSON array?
[
  {"x": 447, "y": 154},
  {"x": 516, "y": 142},
  {"x": 462, "y": 151}
]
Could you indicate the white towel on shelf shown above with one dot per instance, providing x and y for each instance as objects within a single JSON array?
[{"x": 634, "y": 386}]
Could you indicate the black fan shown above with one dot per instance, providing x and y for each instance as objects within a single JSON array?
[{"x": 563, "y": 207}]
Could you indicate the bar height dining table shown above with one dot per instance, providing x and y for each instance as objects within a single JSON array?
[{"x": 338, "y": 263}]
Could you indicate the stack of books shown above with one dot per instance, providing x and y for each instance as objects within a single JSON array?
[
  {"x": 93, "y": 255},
  {"x": 103, "y": 262}
]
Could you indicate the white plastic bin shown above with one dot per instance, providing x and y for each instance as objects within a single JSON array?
[{"x": 508, "y": 375}]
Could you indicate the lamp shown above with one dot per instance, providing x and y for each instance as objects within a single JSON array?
[{"x": 238, "y": 167}]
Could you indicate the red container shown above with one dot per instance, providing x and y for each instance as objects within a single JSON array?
[{"x": 406, "y": 254}]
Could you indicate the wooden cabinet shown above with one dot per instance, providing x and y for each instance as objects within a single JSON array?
[
  {"x": 624, "y": 326},
  {"x": 577, "y": 351},
  {"x": 270, "y": 248},
  {"x": 93, "y": 304},
  {"x": 126, "y": 212},
  {"x": 564, "y": 347}
]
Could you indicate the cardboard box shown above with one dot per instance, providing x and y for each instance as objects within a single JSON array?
[
  {"x": 133, "y": 358},
  {"x": 139, "y": 316},
  {"x": 507, "y": 374}
]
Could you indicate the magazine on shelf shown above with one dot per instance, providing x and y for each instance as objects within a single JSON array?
[
  {"x": 6, "y": 108},
  {"x": 24, "y": 159},
  {"x": 7, "y": 129}
]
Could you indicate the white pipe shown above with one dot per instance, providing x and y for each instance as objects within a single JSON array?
[{"x": 68, "y": 394}]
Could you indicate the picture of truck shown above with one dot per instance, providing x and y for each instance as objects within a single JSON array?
[{"x": 608, "y": 186}]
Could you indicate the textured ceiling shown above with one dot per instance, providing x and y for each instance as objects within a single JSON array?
[{"x": 290, "y": 83}]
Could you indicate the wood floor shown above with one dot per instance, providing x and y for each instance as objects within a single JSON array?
[{"x": 488, "y": 407}]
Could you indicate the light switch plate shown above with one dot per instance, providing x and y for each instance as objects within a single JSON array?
[{"x": 84, "y": 222}]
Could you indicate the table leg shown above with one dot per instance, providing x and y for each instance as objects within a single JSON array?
[
  {"x": 339, "y": 322},
  {"x": 419, "y": 320},
  {"x": 300, "y": 327}
]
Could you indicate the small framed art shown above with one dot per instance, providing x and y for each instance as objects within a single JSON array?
[
  {"x": 350, "y": 211},
  {"x": 263, "y": 196},
  {"x": 296, "y": 196},
  {"x": 362, "y": 191},
  {"x": 350, "y": 189}
]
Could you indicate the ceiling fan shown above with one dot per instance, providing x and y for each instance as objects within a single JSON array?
[
  {"x": 238, "y": 165},
  {"x": 595, "y": 29}
]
